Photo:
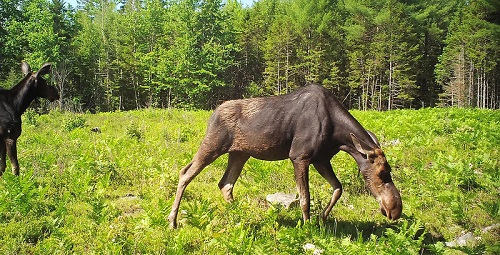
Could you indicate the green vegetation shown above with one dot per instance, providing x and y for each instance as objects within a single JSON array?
[{"x": 87, "y": 192}]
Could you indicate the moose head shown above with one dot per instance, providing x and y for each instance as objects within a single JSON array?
[
  {"x": 377, "y": 174},
  {"x": 35, "y": 80}
]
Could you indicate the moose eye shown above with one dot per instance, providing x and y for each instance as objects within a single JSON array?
[{"x": 371, "y": 158}]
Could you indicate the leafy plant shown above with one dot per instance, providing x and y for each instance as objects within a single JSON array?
[
  {"x": 200, "y": 214},
  {"x": 30, "y": 117},
  {"x": 74, "y": 122},
  {"x": 133, "y": 131},
  {"x": 21, "y": 195},
  {"x": 492, "y": 208},
  {"x": 467, "y": 179},
  {"x": 239, "y": 240}
]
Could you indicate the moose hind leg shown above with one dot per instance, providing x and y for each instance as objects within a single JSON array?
[
  {"x": 187, "y": 174},
  {"x": 235, "y": 164},
  {"x": 325, "y": 169}
]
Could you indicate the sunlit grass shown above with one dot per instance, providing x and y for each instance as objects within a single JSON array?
[{"x": 110, "y": 191}]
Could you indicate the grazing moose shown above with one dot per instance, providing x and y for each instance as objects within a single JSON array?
[
  {"x": 13, "y": 103},
  {"x": 308, "y": 126}
]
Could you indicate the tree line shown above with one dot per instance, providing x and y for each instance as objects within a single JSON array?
[{"x": 373, "y": 54}]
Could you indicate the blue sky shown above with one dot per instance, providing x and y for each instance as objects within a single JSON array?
[{"x": 244, "y": 2}]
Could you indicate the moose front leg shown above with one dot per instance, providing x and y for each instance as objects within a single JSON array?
[
  {"x": 12, "y": 152},
  {"x": 325, "y": 169},
  {"x": 3, "y": 159},
  {"x": 301, "y": 171}
]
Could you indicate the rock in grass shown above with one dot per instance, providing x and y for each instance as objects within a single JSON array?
[
  {"x": 283, "y": 199},
  {"x": 468, "y": 237},
  {"x": 462, "y": 240},
  {"x": 310, "y": 248},
  {"x": 129, "y": 205},
  {"x": 490, "y": 228}
]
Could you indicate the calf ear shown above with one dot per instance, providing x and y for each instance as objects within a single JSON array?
[
  {"x": 25, "y": 68},
  {"x": 45, "y": 69}
]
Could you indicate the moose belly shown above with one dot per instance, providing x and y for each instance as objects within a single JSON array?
[
  {"x": 270, "y": 154},
  {"x": 262, "y": 147}
]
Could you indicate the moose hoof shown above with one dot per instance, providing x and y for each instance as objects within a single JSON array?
[
  {"x": 173, "y": 225},
  {"x": 173, "y": 221},
  {"x": 227, "y": 192}
]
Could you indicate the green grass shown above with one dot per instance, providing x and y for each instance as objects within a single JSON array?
[{"x": 85, "y": 192}]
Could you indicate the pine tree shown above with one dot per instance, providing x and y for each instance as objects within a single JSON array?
[{"x": 468, "y": 66}]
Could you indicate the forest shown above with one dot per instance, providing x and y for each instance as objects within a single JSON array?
[{"x": 111, "y": 55}]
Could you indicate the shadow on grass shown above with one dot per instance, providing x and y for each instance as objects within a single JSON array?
[{"x": 356, "y": 229}]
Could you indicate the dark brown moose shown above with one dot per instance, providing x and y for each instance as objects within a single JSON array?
[
  {"x": 13, "y": 103},
  {"x": 308, "y": 126}
]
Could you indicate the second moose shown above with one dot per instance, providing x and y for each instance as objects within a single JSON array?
[{"x": 13, "y": 103}]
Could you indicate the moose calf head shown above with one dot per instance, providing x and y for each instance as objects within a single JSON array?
[{"x": 42, "y": 89}]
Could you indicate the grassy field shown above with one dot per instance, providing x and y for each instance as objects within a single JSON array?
[{"x": 109, "y": 192}]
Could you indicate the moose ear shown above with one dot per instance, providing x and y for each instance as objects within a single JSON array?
[
  {"x": 358, "y": 145},
  {"x": 45, "y": 69},
  {"x": 25, "y": 68},
  {"x": 374, "y": 138}
]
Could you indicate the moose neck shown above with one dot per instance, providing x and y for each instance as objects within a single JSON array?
[
  {"x": 23, "y": 94},
  {"x": 351, "y": 126},
  {"x": 358, "y": 157}
]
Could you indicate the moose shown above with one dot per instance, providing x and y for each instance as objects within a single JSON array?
[
  {"x": 13, "y": 103},
  {"x": 308, "y": 126}
]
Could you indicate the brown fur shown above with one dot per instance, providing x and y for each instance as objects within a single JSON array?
[{"x": 308, "y": 126}]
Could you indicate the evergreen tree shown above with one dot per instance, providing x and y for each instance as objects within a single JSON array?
[
  {"x": 375, "y": 54},
  {"x": 279, "y": 53},
  {"x": 10, "y": 54},
  {"x": 468, "y": 67},
  {"x": 96, "y": 51},
  {"x": 431, "y": 19}
]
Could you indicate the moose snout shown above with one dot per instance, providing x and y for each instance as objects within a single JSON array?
[
  {"x": 50, "y": 93},
  {"x": 393, "y": 214},
  {"x": 390, "y": 203},
  {"x": 54, "y": 98}
]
